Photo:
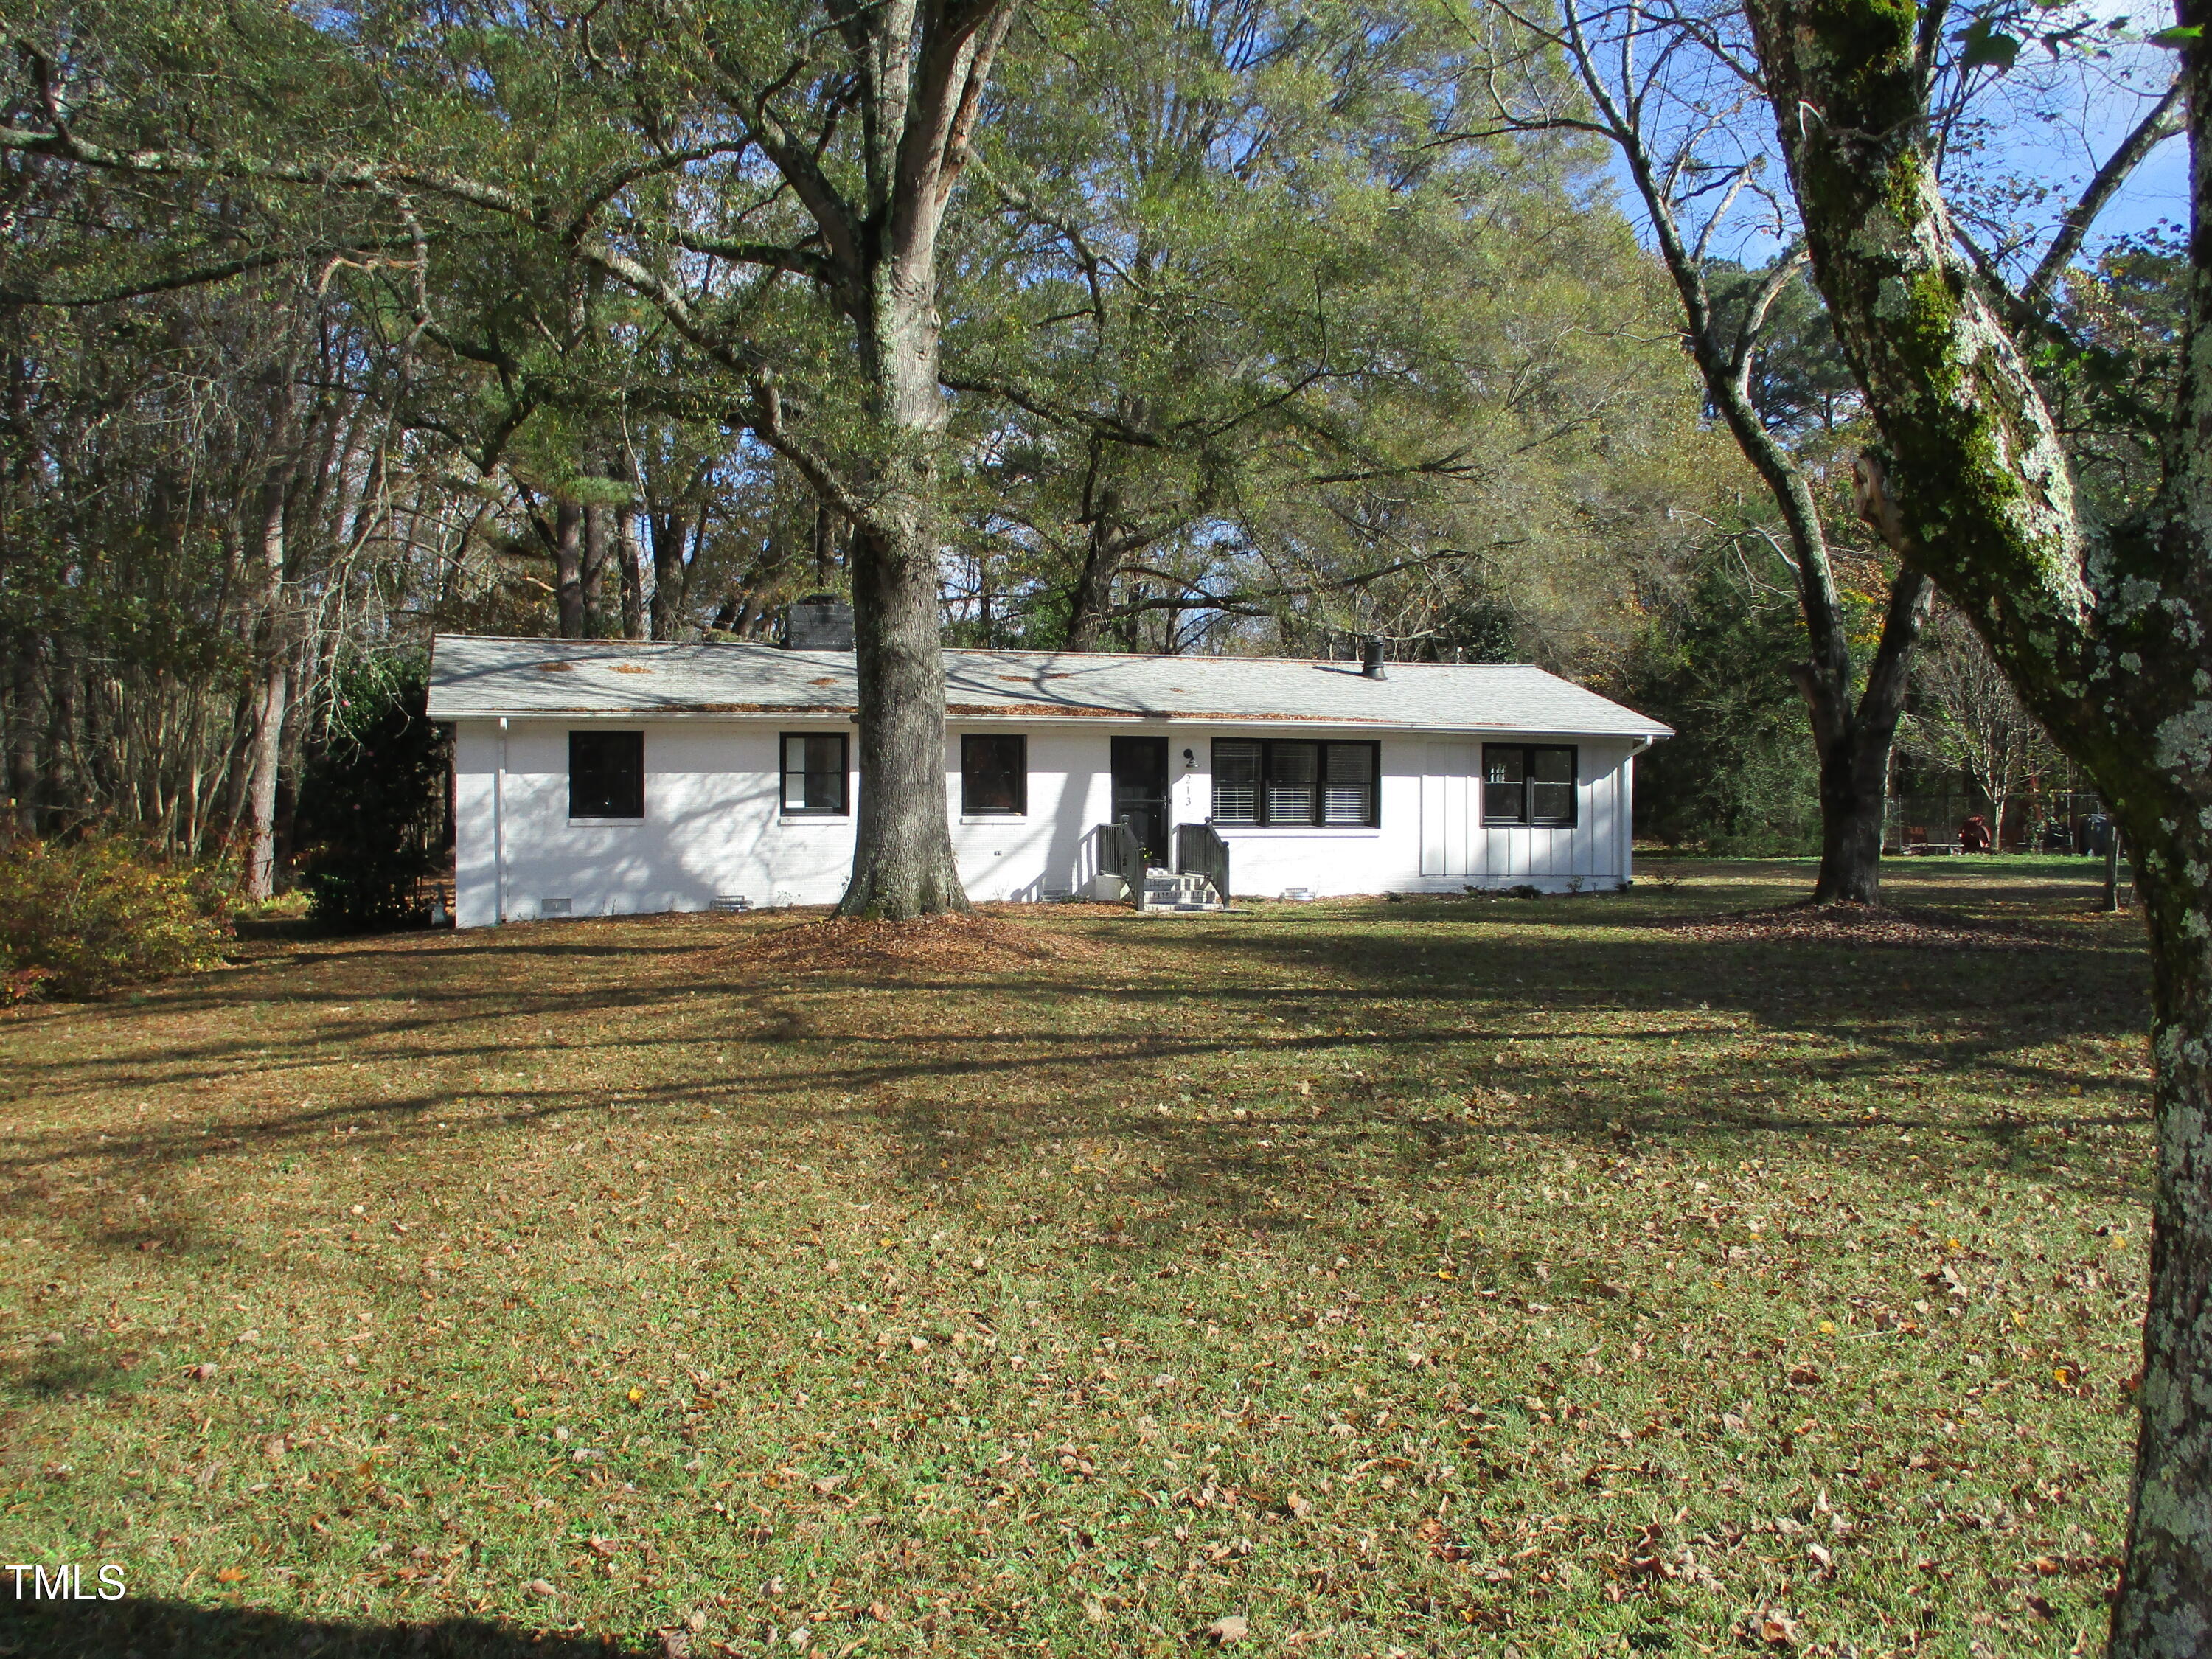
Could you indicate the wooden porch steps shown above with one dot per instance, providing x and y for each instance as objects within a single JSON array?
[{"x": 1164, "y": 890}]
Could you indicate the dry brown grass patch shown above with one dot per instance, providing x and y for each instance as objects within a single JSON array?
[
  {"x": 976, "y": 942},
  {"x": 1860, "y": 924}
]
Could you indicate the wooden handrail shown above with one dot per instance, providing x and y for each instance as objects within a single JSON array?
[
  {"x": 1120, "y": 854},
  {"x": 1200, "y": 850}
]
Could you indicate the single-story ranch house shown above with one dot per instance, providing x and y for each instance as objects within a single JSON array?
[{"x": 616, "y": 777}]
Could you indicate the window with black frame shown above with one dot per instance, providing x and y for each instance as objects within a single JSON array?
[
  {"x": 815, "y": 771},
  {"x": 994, "y": 775},
  {"x": 1347, "y": 783},
  {"x": 1270, "y": 781},
  {"x": 1236, "y": 781},
  {"x": 1528, "y": 783},
  {"x": 606, "y": 775}
]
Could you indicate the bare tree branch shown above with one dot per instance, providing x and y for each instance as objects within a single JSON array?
[{"x": 2163, "y": 122}]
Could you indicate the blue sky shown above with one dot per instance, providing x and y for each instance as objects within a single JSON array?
[
  {"x": 2062, "y": 133},
  {"x": 2049, "y": 129}
]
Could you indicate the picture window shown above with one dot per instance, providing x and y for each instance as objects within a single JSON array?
[{"x": 1267, "y": 782}]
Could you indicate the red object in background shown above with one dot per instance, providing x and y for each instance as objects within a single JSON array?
[{"x": 1974, "y": 835}]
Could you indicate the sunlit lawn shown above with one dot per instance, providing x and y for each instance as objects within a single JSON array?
[{"x": 1439, "y": 1276}]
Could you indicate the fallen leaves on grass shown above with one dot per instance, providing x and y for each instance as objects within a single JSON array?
[
  {"x": 951, "y": 944},
  {"x": 1365, "y": 1427},
  {"x": 1857, "y": 924},
  {"x": 1776, "y": 1629}
]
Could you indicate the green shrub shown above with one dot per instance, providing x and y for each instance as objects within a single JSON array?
[
  {"x": 372, "y": 801},
  {"x": 83, "y": 916}
]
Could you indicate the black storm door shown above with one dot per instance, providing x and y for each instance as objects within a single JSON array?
[{"x": 1141, "y": 792}]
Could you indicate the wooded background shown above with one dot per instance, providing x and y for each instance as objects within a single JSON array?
[{"x": 1262, "y": 329}]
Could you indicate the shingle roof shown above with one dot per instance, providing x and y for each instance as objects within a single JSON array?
[{"x": 475, "y": 677}]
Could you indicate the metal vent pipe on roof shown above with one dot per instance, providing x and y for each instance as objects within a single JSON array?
[{"x": 1370, "y": 658}]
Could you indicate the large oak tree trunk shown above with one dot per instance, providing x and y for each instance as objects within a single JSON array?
[
  {"x": 1092, "y": 606},
  {"x": 2164, "y": 1604},
  {"x": 1856, "y": 737},
  {"x": 911, "y": 85},
  {"x": 1854, "y": 760},
  {"x": 2101, "y": 631},
  {"x": 902, "y": 864},
  {"x": 1854, "y": 803},
  {"x": 1104, "y": 550},
  {"x": 923, "y": 70},
  {"x": 902, "y": 853}
]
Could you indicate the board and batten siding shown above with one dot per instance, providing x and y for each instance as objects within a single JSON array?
[{"x": 1455, "y": 842}]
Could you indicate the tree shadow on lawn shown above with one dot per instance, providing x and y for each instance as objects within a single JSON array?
[
  {"x": 1769, "y": 983},
  {"x": 432, "y": 1008},
  {"x": 1914, "y": 1012},
  {"x": 144, "y": 1628},
  {"x": 891, "y": 1061},
  {"x": 1423, "y": 1013},
  {"x": 368, "y": 946},
  {"x": 70, "y": 1365}
]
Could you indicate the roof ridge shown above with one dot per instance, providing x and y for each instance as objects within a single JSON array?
[
  {"x": 508, "y": 674},
  {"x": 555, "y": 643},
  {"x": 1175, "y": 656}
]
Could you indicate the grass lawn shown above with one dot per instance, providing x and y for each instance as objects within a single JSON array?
[{"x": 1427, "y": 1278}]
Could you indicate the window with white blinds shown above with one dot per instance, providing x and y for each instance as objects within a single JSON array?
[
  {"x": 1281, "y": 782},
  {"x": 1237, "y": 782},
  {"x": 1347, "y": 790},
  {"x": 1290, "y": 769}
]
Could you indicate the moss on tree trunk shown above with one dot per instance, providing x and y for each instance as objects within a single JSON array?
[
  {"x": 2103, "y": 631},
  {"x": 2165, "y": 1603}
]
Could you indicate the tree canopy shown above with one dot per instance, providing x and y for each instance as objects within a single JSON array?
[{"x": 1243, "y": 326}]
